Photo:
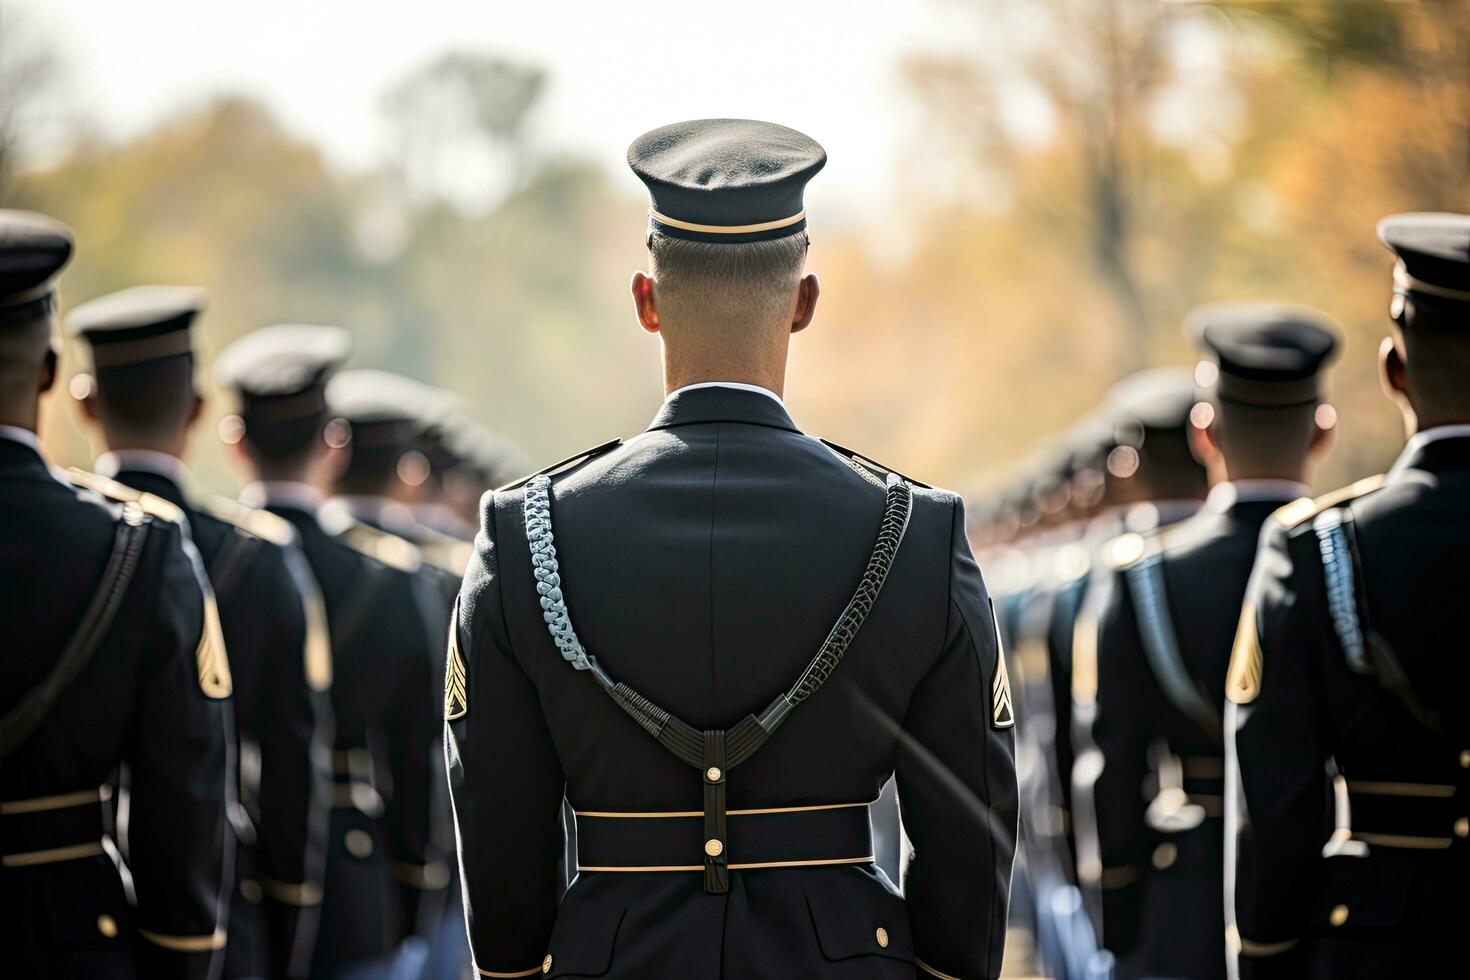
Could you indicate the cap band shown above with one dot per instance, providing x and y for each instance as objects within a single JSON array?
[
  {"x": 284, "y": 408},
  {"x": 1403, "y": 282},
  {"x": 1268, "y": 394},
  {"x": 124, "y": 352},
  {"x": 728, "y": 229},
  {"x": 30, "y": 295}
]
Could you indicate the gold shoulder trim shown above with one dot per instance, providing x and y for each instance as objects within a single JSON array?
[
  {"x": 390, "y": 549},
  {"x": 1126, "y": 549},
  {"x": 317, "y": 652},
  {"x": 211, "y": 657},
  {"x": 261, "y": 523},
  {"x": 1304, "y": 509},
  {"x": 1243, "y": 679},
  {"x": 449, "y": 555},
  {"x": 186, "y": 944},
  {"x": 456, "y": 687},
  {"x": 123, "y": 494}
]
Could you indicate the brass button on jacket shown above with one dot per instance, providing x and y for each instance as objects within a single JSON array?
[
  {"x": 882, "y": 935},
  {"x": 1339, "y": 915},
  {"x": 107, "y": 925},
  {"x": 713, "y": 847},
  {"x": 546, "y": 964}
]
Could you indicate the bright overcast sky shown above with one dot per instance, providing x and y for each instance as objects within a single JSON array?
[{"x": 828, "y": 67}]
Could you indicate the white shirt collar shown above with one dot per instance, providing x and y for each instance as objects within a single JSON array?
[
  {"x": 742, "y": 386},
  {"x": 1419, "y": 440},
  {"x": 1225, "y": 495},
  {"x": 282, "y": 493},
  {"x": 23, "y": 436},
  {"x": 110, "y": 464}
]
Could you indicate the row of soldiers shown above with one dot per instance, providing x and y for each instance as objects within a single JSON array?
[
  {"x": 1243, "y": 747},
  {"x": 234, "y": 765}
]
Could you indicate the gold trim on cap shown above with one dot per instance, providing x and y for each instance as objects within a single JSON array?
[
  {"x": 51, "y": 855},
  {"x": 186, "y": 944},
  {"x": 61, "y": 801},
  {"x": 1402, "y": 280},
  {"x": 664, "y": 219}
]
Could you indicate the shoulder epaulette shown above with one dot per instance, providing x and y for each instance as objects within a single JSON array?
[
  {"x": 576, "y": 459},
  {"x": 261, "y": 523},
  {"x": 871, "y": 464},
  {"x": 389, "y": 549},
  {"x": 1300, "y": 511},
  {"x": 1071, "y": 562},
  {"x": 149, "y": 504}
]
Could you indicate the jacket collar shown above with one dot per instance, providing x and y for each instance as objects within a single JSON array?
[
  {"x": 1434, "y": 451},
  {"x": 152, "y": 481},
  {"x": 718, "y": 403}
]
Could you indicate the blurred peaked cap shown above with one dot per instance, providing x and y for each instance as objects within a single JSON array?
[
  {"x": 144, "y": 323},
  {"x": 726, "y": 180},
  {"x": 1265, "y": 341},
  {"x": 282, "y": 360},
  {"x": 367, "y": 396},
  {"x": 1090, "y": 440},
  {"x": 33, "y": 250},
  {"x": 1156, "y": 398},
  {"x": 1433, "y": 249}
]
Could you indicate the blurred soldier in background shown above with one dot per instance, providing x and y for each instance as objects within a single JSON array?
[
  {"x": 705, "y": 561},
  {"x": 1163, "y": 640},
  {"x": 369, "y": 512},
  {"x": 1347, "y": 651},
  {"x": 113, "y": 657},
  {"x": 379, "y": 857},
  {"x": 145, "y": 406}
]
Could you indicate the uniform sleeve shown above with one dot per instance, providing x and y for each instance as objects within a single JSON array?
[
  {"x": 506, "y": 780},
  {"x": 1125, "y": 713},
  {"x": 957, "y": 787},
  {"x": 180, "y": 772},
  {"x": 1277, "y": 752},
  {"x": 294, "y": 728},
  {"x": 412, "y": 743}
]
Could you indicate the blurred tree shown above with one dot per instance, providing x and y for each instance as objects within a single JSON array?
[{"x": 28, "y": 70}]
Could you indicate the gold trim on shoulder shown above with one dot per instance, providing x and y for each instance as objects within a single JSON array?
[
  {"x": 261, "y": 523},
  {"x": 456, "y": 678},
  {"x": 317, "y": 651},
  {"x": 61, "y": 801},
  {"x": 1126, "y": 549},
  {"x": 211, "y": 658},
  {"x": 1299, "y": 511},
  {"x": 303, "y": 894},
  {"x": 121, "y": 493},
  {"x": 933, "y": 972},
  {"x": 1243, "y": 679},
  {"x": 389, "y": 549},
  {"x": 186, "y": 944},
  {"x": 52, "y": 855}
]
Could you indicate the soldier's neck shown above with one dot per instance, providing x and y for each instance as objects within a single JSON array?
[{"x": 765, "y": 369}]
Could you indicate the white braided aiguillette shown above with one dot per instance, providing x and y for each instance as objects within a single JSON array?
[{"x": 548, "y": 576}]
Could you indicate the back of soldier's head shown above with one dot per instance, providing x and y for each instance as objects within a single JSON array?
[
  {"x": 1261, "y": 383},
  {"x": 141, "y": 340},
  {"x": 33, "y": 251},
  {"x": 727, "y": 234},
  {"x": 1152, "y": 459},
  {"x": 1431, "y": 308}
]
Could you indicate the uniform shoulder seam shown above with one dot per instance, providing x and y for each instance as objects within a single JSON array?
[
  {"x": 153, "y": 506},
  {"x": 564, "y": 465},
  {"x": 251, "y": 520},
  {"x": 873, "y": 465},
  {"x": 381, "y": 546},
  {"x": 1299, "y": 511}
]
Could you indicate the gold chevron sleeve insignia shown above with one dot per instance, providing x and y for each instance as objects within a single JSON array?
[
  {"x": 456, "y": 696},
  {"x": 1002, "y": 712},
  {"x": 210, "y": 657},
  {"x": 1243, "y": 681}
]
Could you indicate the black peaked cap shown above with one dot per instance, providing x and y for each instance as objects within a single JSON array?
[
  {"x": 726, "y": 180},
  {"x": 33, "y": 250},
  {"x": 1276, "y": 343},
  {"x": 132, "y": 326},
  {"x": 1155, "y": 398},
  {"x": 1433, "y": 250}
]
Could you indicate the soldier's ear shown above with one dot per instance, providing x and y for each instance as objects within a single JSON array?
[
  {"x": 48, "y": 369},
  {"x": 807, "y": 292},
  {"x": 1393, "y": 376},
  {"x": 196, "y": 409},
  {"x": 643, "y": 302},
  {"x": 1203, "y": 442}
]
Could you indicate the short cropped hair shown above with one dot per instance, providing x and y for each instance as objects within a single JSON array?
[
  {"x": 1265, "y": 438},
  {"x": 146, "y": 400},
  {"x": 1436, "y": 336},
  {"x": 742, "y": 282}
]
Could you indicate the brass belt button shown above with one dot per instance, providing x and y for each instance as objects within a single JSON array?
[
  {"x": 1165, "y": 855},
  {"x": 1462, "y": 827},
  {"x": 107, "y": 925},
  {"x": 713, "y": 774},
  {"x": 882, "y": 935},
  {"x": 714, "y": 847},
  {"x": 251, "y": 891},
  {"x": 1465, "y": 759},
  {"x": 1339, "y": 915},
  {"x": 358, "y": 842},
  {"x": 546, "y": 964}
]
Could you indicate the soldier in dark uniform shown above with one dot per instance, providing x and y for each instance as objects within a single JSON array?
[
  {"x": 113, "y": 657},
  {"x": 1347, "y": 651},
  {"x": 704, "y": 563},
  {"x": 1164, "y": 638},
  {"x": 378, "y": 854},
  {"x": 145, "y": 406}
]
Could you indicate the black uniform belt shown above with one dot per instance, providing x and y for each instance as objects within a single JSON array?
[
  {"x": 770, "y": 837},
  {"x": 1420, "y": 816},
  {"x": 48, "y": 829}
]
